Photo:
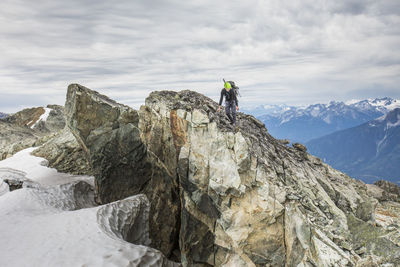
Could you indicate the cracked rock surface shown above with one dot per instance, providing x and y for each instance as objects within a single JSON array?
[{"x": 222, "y": 197}]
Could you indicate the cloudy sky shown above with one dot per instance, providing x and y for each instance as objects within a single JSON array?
[{"x": 293, "y": 52}]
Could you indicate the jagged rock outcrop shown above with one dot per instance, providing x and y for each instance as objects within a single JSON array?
[
  {"x": 123, "y": 166},
  {"x": 44, "y": 127},
  {"x": 52, "y": 120},
  {"x": 230, "y": 198},
  {"x": 390, "y": 191},
  {"x": 26, "y": 117},
  {"x": 300, "y": 147},
  {"x": 29, "y": 127},
  {"x": 64, "y": 154}
]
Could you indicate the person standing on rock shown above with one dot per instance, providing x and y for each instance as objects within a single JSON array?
[{"x": 231, "y": 102}]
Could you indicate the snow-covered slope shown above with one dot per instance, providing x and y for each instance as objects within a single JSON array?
[{"x": 53, "y": 221}]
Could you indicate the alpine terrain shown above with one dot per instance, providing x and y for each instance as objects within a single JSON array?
[
  {"x": 370, "y": 151},
  {"x": 301, "y": 124},
  {"x": 173, "y": 184},
  {"x": 29, "y": 127}
]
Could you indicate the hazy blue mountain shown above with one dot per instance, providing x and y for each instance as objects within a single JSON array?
[
  {"x": 301, "y": 124},
  {"x": 262, "y": 110},
  {"x": 3, "y": 115},
  {"x": 370, "y": 151}
]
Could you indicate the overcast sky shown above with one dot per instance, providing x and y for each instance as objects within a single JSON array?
[{"x": 293, "y": 52}]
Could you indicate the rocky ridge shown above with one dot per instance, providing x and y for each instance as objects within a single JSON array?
[
  {"x": 27, "y": 128},
  {"x": 33, "y": 127},
  {"x": 225, "y": 198}
]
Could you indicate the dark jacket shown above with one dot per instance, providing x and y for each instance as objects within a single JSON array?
[{"x": 229, "y": 96}]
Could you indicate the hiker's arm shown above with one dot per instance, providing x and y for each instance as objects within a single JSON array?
[
  {"x": 222, "y": 96},
  {"x": 236, "y": 100}
]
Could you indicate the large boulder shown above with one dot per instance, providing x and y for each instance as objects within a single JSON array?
[
  {"x": 63, "y": 153},
  {"x": 231, "y": 198},
  {"x": 121, "y": 161}
]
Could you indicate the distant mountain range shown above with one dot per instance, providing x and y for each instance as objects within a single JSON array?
[
  {"x": 370, "y": 151},
  {"x": 3, "y": 115},
  {"x": 302, "y": 124}
]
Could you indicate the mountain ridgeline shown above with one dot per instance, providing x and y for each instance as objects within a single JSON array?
[
  {"x": 370, "y": 151},
  {"x": 213, "y": 195},
  {"x": 302, "y": 124},
  {"x": 29, "y": 127}
]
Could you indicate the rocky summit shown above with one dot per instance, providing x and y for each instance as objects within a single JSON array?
[{"x": 221, "y": 196}]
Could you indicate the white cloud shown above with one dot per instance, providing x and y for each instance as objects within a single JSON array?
[{"x": 293, "y": 52}]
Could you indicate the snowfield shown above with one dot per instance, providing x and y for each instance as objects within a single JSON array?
[
  {"x": 53, "y": 221},
  {"x": 35, "y": 168}
]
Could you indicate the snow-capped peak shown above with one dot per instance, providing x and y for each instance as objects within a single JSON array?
[
  {"x": 328, "y": 112},
  {"x": 384, "y": 104},
  {"x": 352, "y": 101}
]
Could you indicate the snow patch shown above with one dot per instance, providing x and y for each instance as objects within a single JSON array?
[
  {"x": 379, "y": 144},
  {"x": 35, "y": 169},
  {"x": 315, "y": 112},
  {"x": 381, "y": 118},
  {"x": 43, "y": 117},
  {"x": 268, "y": 106},
  {"x": 327, "y": 119},
  {"x": 352, "y": 101}
]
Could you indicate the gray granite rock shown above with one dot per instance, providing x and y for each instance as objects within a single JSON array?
[
  {"x": 121, "y": 161},
  {"x": 223, "y": 197}
]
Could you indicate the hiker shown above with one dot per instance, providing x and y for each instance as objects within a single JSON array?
[{"x": 231, "y": 102}]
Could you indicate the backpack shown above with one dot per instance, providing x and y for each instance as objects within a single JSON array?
[{"x": 234, "y": 87}]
